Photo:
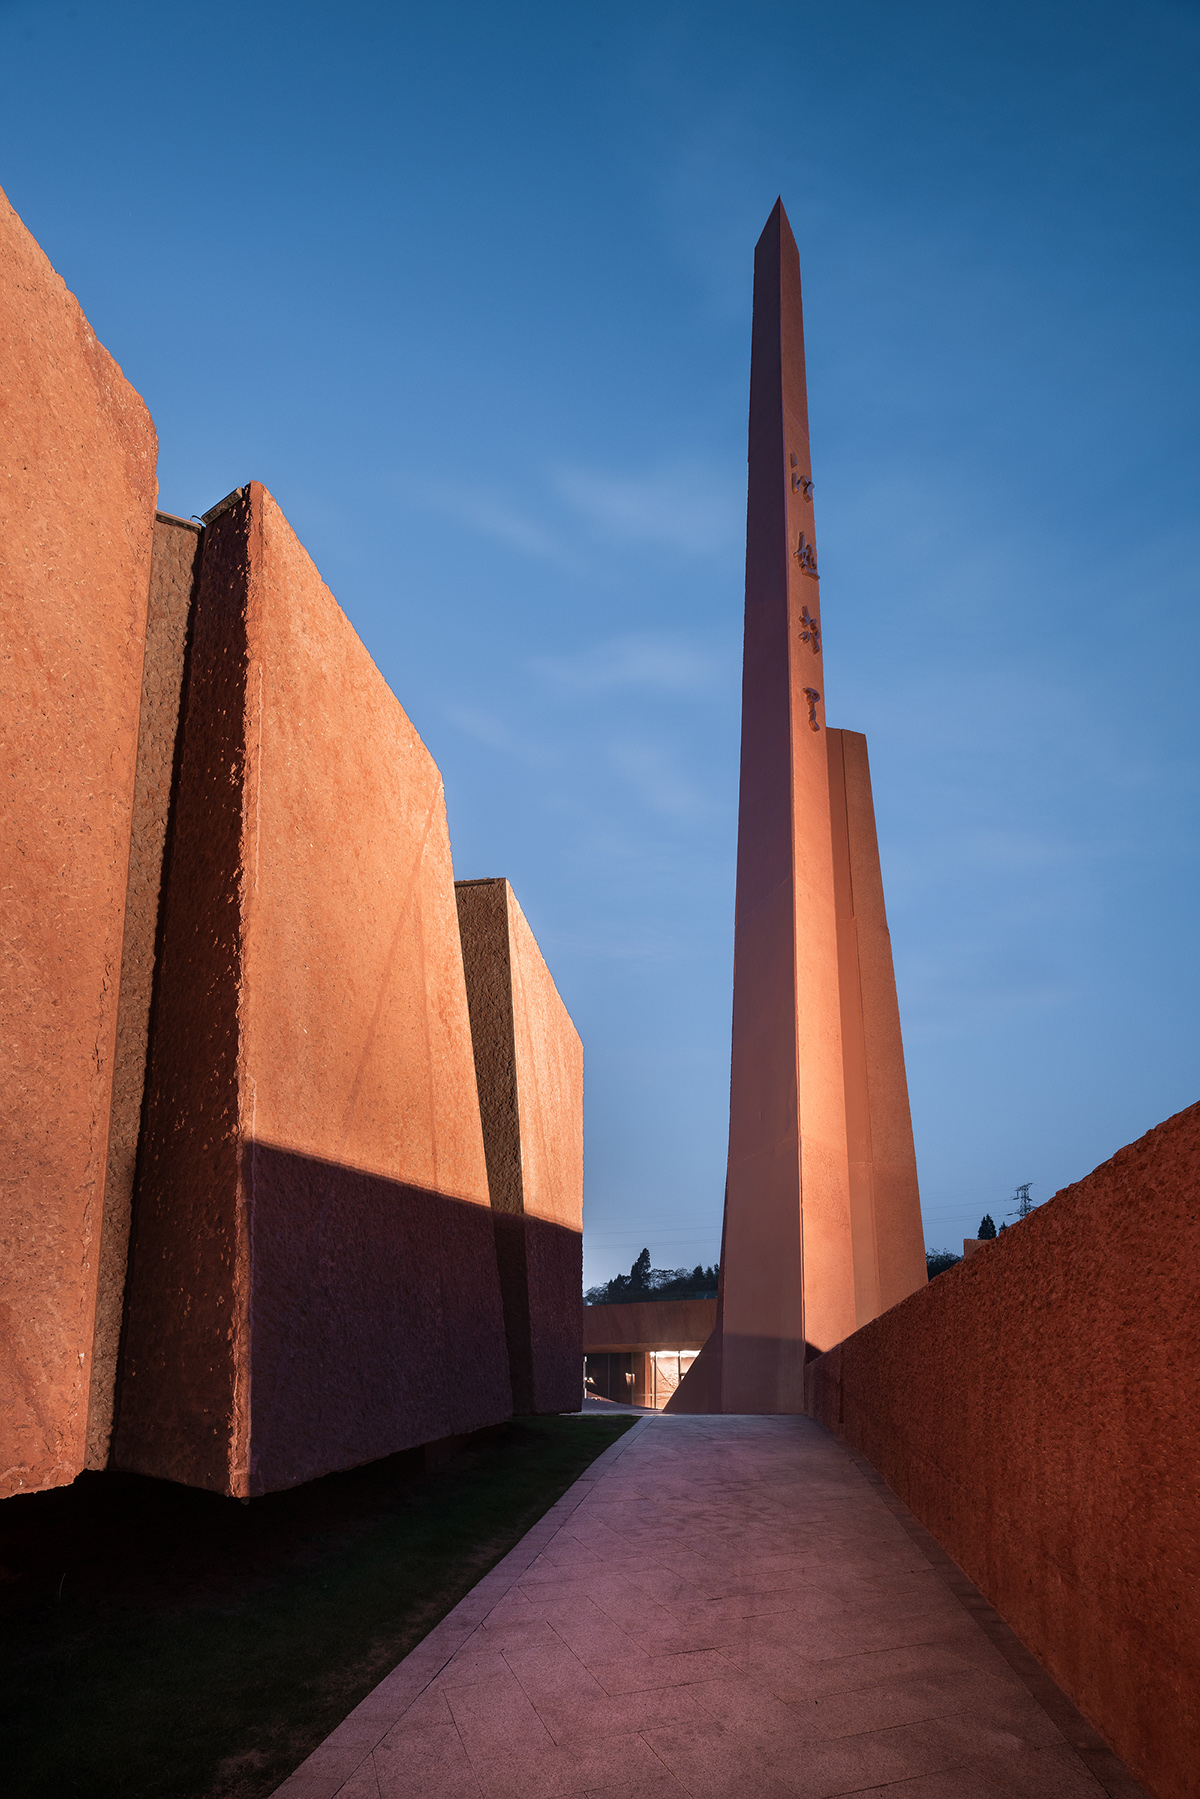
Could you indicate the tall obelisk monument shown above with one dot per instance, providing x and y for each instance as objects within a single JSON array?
[{"x": 822, "y": 1218}]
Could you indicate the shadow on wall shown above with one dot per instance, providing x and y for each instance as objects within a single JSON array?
[
  {"x": 541, "y": 1273},
  {"x": 366, "y": 1319}
]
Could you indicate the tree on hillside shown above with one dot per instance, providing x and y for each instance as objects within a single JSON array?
[
  {"x": 938, "y": 1260},
  {"x": 644, "y": 1282},
  {"x": 987, "y": 1226}
]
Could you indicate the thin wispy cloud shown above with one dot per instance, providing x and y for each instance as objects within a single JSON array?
[
  {"x": 692, "y": 508},
  {"x": 487, "y": 514},
  {"x": 495, "y": 734},
  {"x": 651, "y": 770},
  {"x": 655, "y": 662}
]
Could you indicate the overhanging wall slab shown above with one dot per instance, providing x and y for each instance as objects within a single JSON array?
[
  {"x": 76, "y": 526},
  {"x": 313, "y": 1278}
]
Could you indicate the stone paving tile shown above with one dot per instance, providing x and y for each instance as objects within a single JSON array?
[
  {"x": 363, "y": 1783},
  {"x": 497, "y": 1715},
  {"x": 473, "y": 1664},
  {"x": 972, "y": 1783},
  {"x": 723, "y": 1608},
  {"x": 662, "y": 1671},
  {"x": 552, "y": 1672},
  {"x": 591, "y": 1634},
  {"x": 590, "y": 1721},
  {"x": 659, "y": 1786},
  {"x": 325, "y": 1773},
  {"x": 625, "y": 1761},
  {"x": 741, "y": 1705},
  {"x": 917, "y": 1698},
  {"x": 424, "y": 1764},
  {"x": 430, "y": 1709}
]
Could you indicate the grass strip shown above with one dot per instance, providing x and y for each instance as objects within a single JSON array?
[{"x": 162, "y": 1643}]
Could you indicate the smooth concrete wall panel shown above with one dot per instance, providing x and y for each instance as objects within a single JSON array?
[
  {"x": 1036, "y": 1408},
  {"x": 899, "y": 1230},
  {"x": 888, "y": 1238},
  {"x": 174, "y": 571},
  {"x": 549, "y": 1062},
  {"x": 529, "y": 1067},
  {"x": 77, "y": 493},
  {"x": 313, "y": 1281},
  {"x": 487, "y": 964},
  {"x": 650, "y": 1324},
  {"x": 854, "y": 1048}
]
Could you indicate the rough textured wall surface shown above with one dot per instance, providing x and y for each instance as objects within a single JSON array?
[
  {"x": 665, "y": 1324},
  {"x": 312, "y": 1176},
  {"x": 1036, "y": 1408},
  {"x": 549, "y": 1058},
  {"x": 77, "y": 491},
  {"x": 529, "y": 1067},
  {"x": 487, "y": 964},
  {"x": 174, "y": 570}
]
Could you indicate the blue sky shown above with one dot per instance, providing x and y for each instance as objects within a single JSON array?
[{"x": 469, "y": 290}]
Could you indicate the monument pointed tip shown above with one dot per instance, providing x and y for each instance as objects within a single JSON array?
[{"x": 778, "y": 224}]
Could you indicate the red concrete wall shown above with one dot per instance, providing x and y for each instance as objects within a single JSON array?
[
  {"x": 174, "y": 572},
  {"x": 76, "y": 525},
  {"x": 1036, "y": 1408},
  {"x": 885, "y": 1203},
  {"x": 313, "y": 1279},
  {"x": 662, "y": 1324},
  {"x": 529, "y": 1068}
]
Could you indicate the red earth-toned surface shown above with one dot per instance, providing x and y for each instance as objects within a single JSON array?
[
  {"x": 313, "y": 1278},
  {"x": 1035, "y": 1406},
  {"x": 529, "y": 1065},
  {"x": 77, "y": 493}
]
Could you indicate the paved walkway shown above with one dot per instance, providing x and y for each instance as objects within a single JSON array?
[{"x": 726, "y": 1608}]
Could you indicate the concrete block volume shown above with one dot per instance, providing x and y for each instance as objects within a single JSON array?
[
  {"x": 77, "y": 505},
  {"x": 247, "y": 1228},
  {"x": 529, "y": 1065}
]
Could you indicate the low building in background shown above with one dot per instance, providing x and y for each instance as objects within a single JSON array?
[{"x": 638, "y": 1354}]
